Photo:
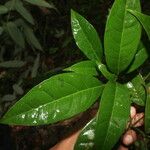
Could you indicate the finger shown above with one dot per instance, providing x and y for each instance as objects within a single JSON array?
[
  {"x": 138, "y": 120},
  {"x": 132, "y": 112},
  {"x": 121, "y": 147},
  {"x": 129, "y": 137},
  {"x": 132, "y": 115}
]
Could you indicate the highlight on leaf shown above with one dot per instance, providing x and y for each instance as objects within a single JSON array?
[
  {"x": 57, "y": 98},
  {"x": 86, "y": 37},
  {"x": 112, "y": 116},
  {"x": 120, "y": 48},
  {"x": 143, "y": 19}
]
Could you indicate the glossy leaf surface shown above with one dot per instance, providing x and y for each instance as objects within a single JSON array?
[
  {"x": 15, "y": 34},
  {"x": 147, "y": 111},
  {"x": 3, "y": 10},
  {"x": 86, "y": 37},
  {"x": 144, "y": 20},
  {"x": 108, "y": 75},
  {"x": 41, "y": 3},
  {"x": 122, "y": 35},
  {"x": 23, "y": 12},
  {"x": 113, "y": 115},
  {"x": 55, "y": 99},
  {"x": 137, "y": 90},
  {"x": 86, "y": 137},
  {"x": 140, "y": 58},
  {"x": 84, "y": 67}
]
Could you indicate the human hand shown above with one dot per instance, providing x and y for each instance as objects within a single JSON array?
[{"x": 128, "y": 138}]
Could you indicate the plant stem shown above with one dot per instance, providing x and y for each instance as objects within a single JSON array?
[
  {"x": 106, "y": 73},
  {"x": 147, "y": 77}
]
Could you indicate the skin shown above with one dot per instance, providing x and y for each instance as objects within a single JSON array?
[{"x": 128, "y": 138}]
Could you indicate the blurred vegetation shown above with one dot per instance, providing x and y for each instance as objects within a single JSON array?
[{"x": 36, "y": 42}]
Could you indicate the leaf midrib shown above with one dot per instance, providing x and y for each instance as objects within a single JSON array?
[
  {"x": 111, "y": 114},
  {"x": 52, "y": 102},
  {"x": 92, "y": 48},
  {"x": 122, "y": 34}
]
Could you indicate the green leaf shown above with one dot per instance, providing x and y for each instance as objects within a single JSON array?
[
  {"x": 86, "y": 37},
  {"x": 137, "y": 90},
  {"x": 30, "y": 37},
  {"x": 122, "y": 35},
  {"x": 24, "y": 12},
  {"x": 18, "y": 89},
  {"x": 41, "y": 3},
  {"x": 147, "y": 112},
  {"x": 85, "y": 67},
  {"x": 86, "y": 138},
  {"x": 12, "y": 64},
  {"x": 1, "y": 30},
  {"x": 8, "y": 98},
  {"x": 55, "y": 99},
  {"x": 15, "y": 34},
  {"x": 144, "y": 20},
  {"x": 108, "y": 75},
  {"x": 10, "y": 5},
  {"x": 3, "y": 9},
  {"x": 139, "y": 58},
  {"x": 113, "y": 115},
  {"x": 35, "y": 66}
]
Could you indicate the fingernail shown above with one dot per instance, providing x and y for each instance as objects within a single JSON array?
[{"x": 128, "y": 139}]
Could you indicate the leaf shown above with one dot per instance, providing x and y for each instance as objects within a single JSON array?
[
  {"x": 108, "y": 75},
  {"x": 144, "y": 20},
  {"x": 24, "y": 12},
  {"x": 147, "y": 110},
  {"x": 10, "y": 5},
  {"x": 142, "y": 145},
  {"x": 31, "y": 38},
  {"x": 140, "y": 58},
  {"x": 85, "y": 67},
  {"x": 15, "y": 34},
  {"x": 3, "y": 9},
  {"x": 8, "y": 97},
  {"x": 1, "y": 30},
  {"x": 12, "y": 64},
  {"x": 18, "y": 90},
  {"x": 35, "y": 66},
  {"x": 41, "y": 3},
  {"x": 122, "y": 35},
  {"x": 86, "y": 138},
  {"x": 113, "y": 115},
  {"x": 86, "y": 37},
  {"x": 137, "y": 90},
  {"x": 55, "y": 99}
]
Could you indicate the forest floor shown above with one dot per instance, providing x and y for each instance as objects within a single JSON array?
[{"x": 60, "y": 52}]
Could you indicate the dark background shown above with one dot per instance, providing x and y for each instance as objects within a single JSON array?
[{"x": 53, "y": 30}]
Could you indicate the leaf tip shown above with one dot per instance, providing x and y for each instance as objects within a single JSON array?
[{"x": 73, "y": 12}]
